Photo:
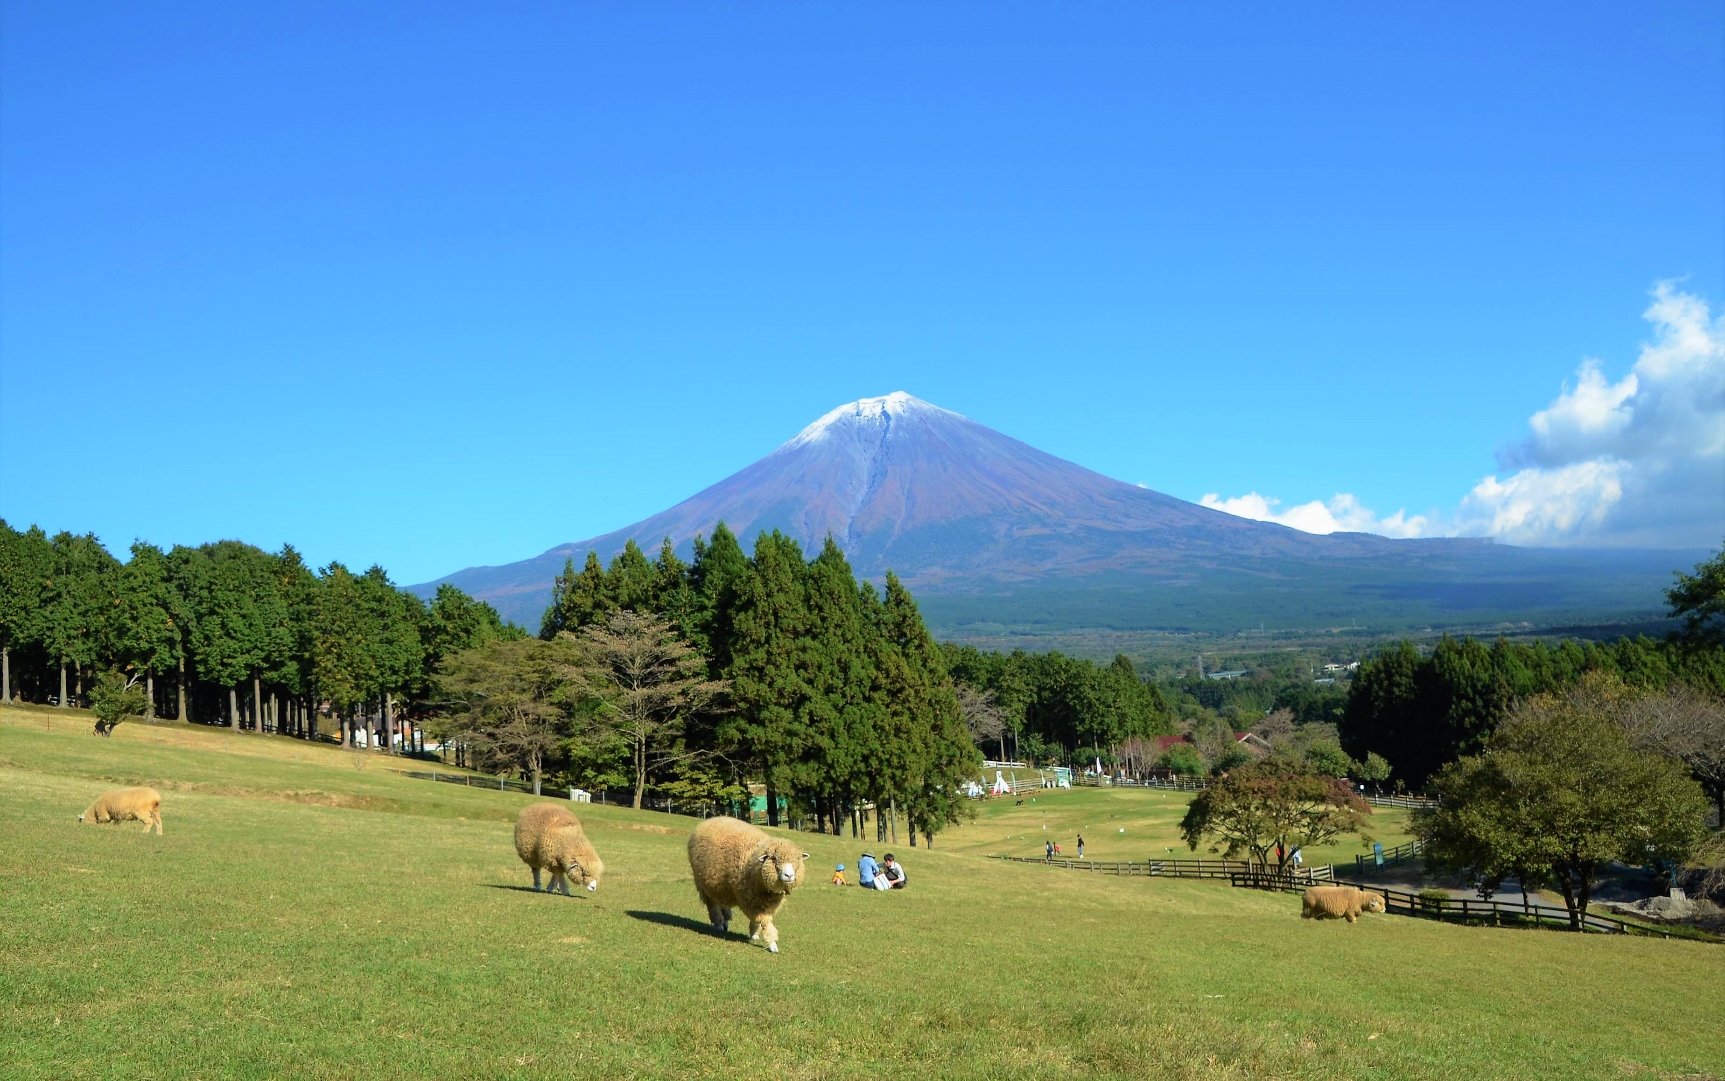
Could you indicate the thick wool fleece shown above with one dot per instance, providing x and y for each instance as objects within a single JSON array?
[
  {"x": 738, "y": 866},
  {"x": 1339, "y": 903},
  {"x": 128, "y": 805},
  {"x": 549, "y": 838}
]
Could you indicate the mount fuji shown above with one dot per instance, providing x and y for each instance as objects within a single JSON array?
[{"x": 990, "y": 530}]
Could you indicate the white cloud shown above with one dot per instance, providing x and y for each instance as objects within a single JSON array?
[
  {"x": 1343, "y": 513},
  {"x": 1640, "y": 461}
]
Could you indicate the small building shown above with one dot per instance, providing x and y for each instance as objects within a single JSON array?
[{"x": 1226, "y": 675}]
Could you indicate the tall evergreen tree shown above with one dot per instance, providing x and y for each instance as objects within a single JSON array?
[
  {"x": 77, "y": 603},
  {"x": 719, "y": 566},
  {"x": 769, "y": 669},
  {"x": 26, "y": 565},
  {"x": 673, "y": 596},
  {"x": 949, "y": 757},
  {"x": 147, "y": 619},
  {"x": 630, "y": 580},
  {"x": 342, "y": 642},
  {"x": 840, "y": 713},
  {"x": 577, "y": 599},
  {"x": 397, "y": 645}
]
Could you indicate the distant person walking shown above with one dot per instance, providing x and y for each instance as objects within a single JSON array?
[
  {"x": 1048, "y": 850},
  {"x": 1080, "y": 846}
]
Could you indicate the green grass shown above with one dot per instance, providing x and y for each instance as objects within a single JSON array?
[
  {"x": 303, "y": 918},
  {"x": 1150, "y": 818}
]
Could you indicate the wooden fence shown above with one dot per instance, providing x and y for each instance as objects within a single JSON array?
[
  {"x": 1472, "y": 911},
  {"x": 1399, "y": 854},
  {"x": 1196, "y": 784},
  {"x": 691, "y": 808},
  {"x": 1216, "y": 869}
]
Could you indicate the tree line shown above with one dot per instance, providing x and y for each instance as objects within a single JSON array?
[
  {"x": 1422, "y": 711},
  {"x": 1047, "y": 707},
  {"x": 226, "y": 633},
  {"x": 696, "y": 678}
]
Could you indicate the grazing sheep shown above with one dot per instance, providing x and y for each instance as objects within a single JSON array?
[
  {"x": 738, "y": 866},
  {"x": 1339, "y": 903},
  {"x": 548, "y": 837},
  {"x": 127, "y": 805}
]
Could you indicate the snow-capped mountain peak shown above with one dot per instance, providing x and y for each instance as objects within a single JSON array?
[{"x": 865, "y": 414}]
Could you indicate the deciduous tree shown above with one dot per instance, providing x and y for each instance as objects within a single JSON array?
[
  {"x": 1558, "y": 792},
  {"x": 509, "y": 699},
  {"x": 114, "y": 696},
  {"x": 643, "y": 683},
  {"x": 1272, "y": 806}
]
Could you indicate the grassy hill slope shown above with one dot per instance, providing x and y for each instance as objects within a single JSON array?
[
  {"x": 1122, "y": 824},
  {"x": 305, "y": 918}
]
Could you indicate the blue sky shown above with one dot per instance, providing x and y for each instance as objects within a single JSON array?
[{"x": 435, "y": 288}]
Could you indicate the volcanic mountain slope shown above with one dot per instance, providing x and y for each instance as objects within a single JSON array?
[
  {"x": 954, "y": 507},
  {"x": 933, "y": 495}
]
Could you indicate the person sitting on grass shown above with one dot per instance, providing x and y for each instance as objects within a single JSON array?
[
  {"x": 867, "y": 869},
  {"x": 839, "y": 875},
  {"x": 894, "y": 872}
]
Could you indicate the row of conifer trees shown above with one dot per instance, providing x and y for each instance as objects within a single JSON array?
[
  {"x": 837, "y": 697},
  {"x": 227, "y": 633}
]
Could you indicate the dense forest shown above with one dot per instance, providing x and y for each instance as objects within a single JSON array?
[
  {"x": 694, "y": 679},
  {"x": 226, "y": 633},
  {"x": 828, "y": 692},
  {"x": 1046, "y": 707},
  {"x": 1421, "y": 711}
]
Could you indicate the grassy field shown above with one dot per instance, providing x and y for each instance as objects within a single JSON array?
[
  {"x": 304, "y": 918},
  {"x": 1150, "y": 821}
]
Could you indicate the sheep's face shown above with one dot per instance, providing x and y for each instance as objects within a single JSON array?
[
  {"x": 780, "y": 864},
  {"x": 587, "y": 871},
  {"x": 1373, "y": 902}
]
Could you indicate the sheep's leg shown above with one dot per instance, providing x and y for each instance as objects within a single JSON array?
[
  {"x": 1351, "y": 917},
  {"x": 535, "y": 880},
  {"x": 719, "y": 917},
  {"x": 770, "y": 934},
  {"x": 157, "y": 816},
  {"x": 754, "y": 928},
  {"x": 558, "y": 882}
]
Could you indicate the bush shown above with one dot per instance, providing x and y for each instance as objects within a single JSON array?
[
  {"x": 1233, "y": 758},
  {"x": 1329, "y": 760},
  {"x": 1434, "y": 900},
  {"x": 114, "y": 698},
  {"x": 1183, "y": 759}
]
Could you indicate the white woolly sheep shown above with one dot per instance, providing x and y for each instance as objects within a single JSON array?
[
  {"x": 127, "y": 805},
  {"x": 548, "y": 837},
  {"x": 738, "y": 866},
  {"x": 1339, "y": 903}
]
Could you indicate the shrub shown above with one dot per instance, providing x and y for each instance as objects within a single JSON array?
[{"x": 1182, "y": 758}]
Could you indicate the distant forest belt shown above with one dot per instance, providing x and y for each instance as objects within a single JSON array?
[{"x": 1408, "y": 601}]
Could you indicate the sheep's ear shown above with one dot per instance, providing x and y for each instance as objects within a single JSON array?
[
  {"x": 765, "y": 856},
  {"x": 805, "y": 855}
]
